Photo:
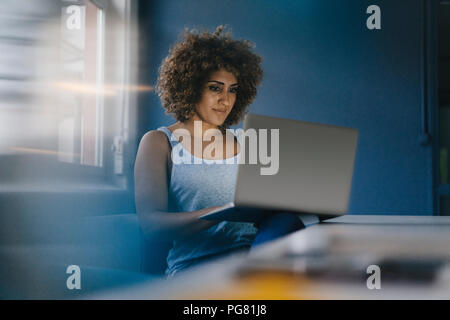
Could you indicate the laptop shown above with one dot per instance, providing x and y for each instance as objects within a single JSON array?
[{"x": 315, "y": 169}]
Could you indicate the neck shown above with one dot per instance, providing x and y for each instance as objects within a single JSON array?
[{"x": 189, "y": 125}]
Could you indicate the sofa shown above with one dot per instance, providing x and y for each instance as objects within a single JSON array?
[{"x": 110, "y": 250}]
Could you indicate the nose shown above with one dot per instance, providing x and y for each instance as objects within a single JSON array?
[{"x": 225, "y": 99}]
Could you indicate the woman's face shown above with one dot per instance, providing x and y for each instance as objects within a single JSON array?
[{"x": 218, "y": 98}]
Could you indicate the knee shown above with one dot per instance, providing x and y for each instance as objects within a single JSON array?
[
  {"x": 276, "y": 226},
  {"x": 283, "y": 220}
]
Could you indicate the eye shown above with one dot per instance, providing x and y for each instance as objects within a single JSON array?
[
  {"x": 234, "y": 90},
  {"x": 214, "y": 88}
]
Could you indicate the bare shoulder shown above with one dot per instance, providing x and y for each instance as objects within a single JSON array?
[
  {"x": 154, "y": 140},
  {"x": 154, "y": 135}
]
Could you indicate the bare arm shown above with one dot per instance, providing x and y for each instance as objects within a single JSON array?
[{"x": 151, "y": 193}]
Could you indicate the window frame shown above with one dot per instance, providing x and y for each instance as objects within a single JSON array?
[{"x": 76, "y": 173}]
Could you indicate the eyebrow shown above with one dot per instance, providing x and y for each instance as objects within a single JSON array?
[{"x": 234, "y": 84}]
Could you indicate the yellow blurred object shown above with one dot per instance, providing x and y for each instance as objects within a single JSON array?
[{"x": 262, "y": 285}]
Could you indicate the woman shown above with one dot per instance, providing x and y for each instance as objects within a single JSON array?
[{"x": 208, "y": 79}]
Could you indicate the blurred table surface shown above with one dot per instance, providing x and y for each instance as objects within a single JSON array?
[{"x": 328, "y": 260}]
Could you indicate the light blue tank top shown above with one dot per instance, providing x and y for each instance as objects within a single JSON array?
[{"x": 198, "y": 186}]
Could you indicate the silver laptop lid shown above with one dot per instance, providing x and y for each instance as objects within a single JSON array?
[{"x": 314, "y": 171}]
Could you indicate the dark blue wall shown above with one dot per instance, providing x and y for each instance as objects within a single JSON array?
[{"x": 322, "y": 64}]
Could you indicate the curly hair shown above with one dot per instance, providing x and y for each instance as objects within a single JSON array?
[{"x": 190, "y": 62}]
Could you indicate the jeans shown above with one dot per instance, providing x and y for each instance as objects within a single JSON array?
[
  {"x": 276, "y": 226},
  {"x": 271, "y": 228}
]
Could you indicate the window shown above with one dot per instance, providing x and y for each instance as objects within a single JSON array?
[
  {"x": 80, "y": 125},
  {"x": 66, "y": 85}
]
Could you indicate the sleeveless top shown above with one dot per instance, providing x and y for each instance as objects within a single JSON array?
[{"x": 199, "y": 184}]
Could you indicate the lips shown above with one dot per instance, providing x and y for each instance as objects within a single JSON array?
[{"x": 220, "y": 110}]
